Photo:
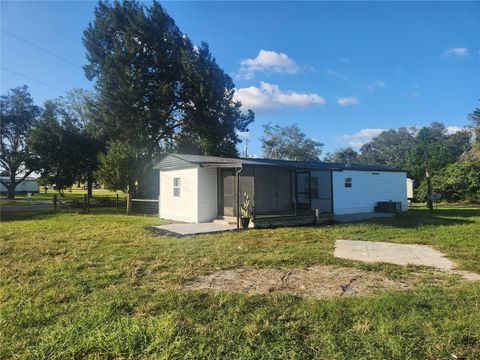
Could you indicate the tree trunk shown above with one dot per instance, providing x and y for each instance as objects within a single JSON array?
[
  {"x": 429, "y": 189},
  {"x": 428, "y": 178},
  {"x": 89, "y": 185},
  {"x": 11, "y": 187}
]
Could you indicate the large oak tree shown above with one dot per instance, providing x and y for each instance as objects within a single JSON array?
[{"x": 155, "y": 89}]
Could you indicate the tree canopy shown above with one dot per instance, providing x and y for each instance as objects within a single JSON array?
[
  {"x": 389, "y": 148},
  {"x": 18, "y": 114},
  {"x": 289, "y": 143},
  {"x": 473, "y": 152},
  {"x": 63, "y": 142},
  {"x": 343, "y": 156}
]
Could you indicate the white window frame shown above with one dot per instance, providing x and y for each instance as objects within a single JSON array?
[
  {"x": 176, "y": 186},
  {"x": 348, "y": 182}
]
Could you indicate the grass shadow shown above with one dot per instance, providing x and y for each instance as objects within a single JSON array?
[
  {"x": 42, "y": 214},
  {"x": 441, "y": 217}
]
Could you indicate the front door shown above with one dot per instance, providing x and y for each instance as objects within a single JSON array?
[{"x": 228, "y": 180}]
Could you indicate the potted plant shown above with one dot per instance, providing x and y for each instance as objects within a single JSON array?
[{"x": 246, "y": 212}]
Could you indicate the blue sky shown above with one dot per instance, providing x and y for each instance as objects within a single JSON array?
[{"x": 341, "y": 70}]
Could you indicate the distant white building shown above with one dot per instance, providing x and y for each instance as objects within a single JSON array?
[
  {"x": 410, "y": 189},
  {"x": 28, "y": 185}
]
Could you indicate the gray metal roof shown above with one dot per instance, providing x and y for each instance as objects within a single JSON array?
[{"x": 172, "y": 161}]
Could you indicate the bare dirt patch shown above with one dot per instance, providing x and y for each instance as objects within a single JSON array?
[{"x": 315, "y": 281}]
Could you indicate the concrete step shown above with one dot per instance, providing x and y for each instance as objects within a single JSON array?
[{"x": 226, "y": 220}]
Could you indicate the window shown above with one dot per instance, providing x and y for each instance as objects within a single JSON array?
[
  {"x": 176, "y": 186},
  {"x": 348, "y": 182},
  {"x": 314, "y": 187}
]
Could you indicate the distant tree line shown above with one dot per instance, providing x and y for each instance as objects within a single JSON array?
[
  {"x": 437, "y": 160},
  {"x": 155, "y": 92}
]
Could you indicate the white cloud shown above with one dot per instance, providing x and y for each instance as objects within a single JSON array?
[
  {"x": 270, "y": 96},
  {"x": 459, "y": 51},
  {"x": 345, "y": 60},
  {"x": 361, "y": 137},
  {"x": 333, "y": 73},
  {"x": 243, "y": 134},
  {"x": 376, "y": 85},
  {"x": 453, "y": 129},
  {"x": 349, "y": 100},
  {"x": 267, "y": 61}
]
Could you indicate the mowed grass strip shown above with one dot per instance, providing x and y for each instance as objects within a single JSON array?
[{"x": 103, "y": 286}]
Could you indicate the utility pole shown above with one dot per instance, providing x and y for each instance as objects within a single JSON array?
[{"x": 245, "y": 149}]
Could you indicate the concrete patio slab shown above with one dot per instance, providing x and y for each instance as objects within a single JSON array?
[
  {"x": 399, "y": 254},
  {"x": 185, "y": 229}
]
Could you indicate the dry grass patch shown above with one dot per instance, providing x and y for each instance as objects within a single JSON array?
[{"x": 318, "y": 282}]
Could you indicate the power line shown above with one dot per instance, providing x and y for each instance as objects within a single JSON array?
[
  {"x": 41, "y": 49},
  {"x": 30, "y": 78}
]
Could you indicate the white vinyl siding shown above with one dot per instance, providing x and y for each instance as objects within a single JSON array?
[
  {"x": 197, "y": 194},
  {"x": 183, "y": 207},
  {"x": 207, "y": 194},
  {"x": 367, "y": 189}
]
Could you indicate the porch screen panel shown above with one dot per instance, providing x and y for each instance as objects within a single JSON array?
[
  {"x": 265, "y": 190},
  {"x": 324, "y": 200},
  {"x": 246, "y": 184},
  {"x": 303, "y": 190},
  {"x": 272, "y": 190},
  {"x": 284, "y": 189},
  {"x": 228, "y": 192}
]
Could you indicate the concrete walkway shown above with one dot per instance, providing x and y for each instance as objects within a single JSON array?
[
  {"x": 185, "y": 229},
  {"x": 398, "y": 254}
]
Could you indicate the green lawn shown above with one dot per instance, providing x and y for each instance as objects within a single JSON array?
[{"x": 103, "y": 286}]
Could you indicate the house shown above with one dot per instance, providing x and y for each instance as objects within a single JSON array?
[
  {"x": 196, "y": 188},
  {"x": 28, "y": 185}
]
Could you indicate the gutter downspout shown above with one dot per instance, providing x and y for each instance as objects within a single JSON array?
[{"x": 237, "y": 175}]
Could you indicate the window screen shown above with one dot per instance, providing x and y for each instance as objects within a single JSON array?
[
  {"x": 348, "y": 182},
  {"x": 314, "y": 187},
  {"x": 176, "y": 186}
]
